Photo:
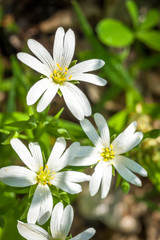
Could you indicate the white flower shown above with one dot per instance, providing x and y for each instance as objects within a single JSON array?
[
  {"x": 60, "y": 224},
  {"x": 59, "y": 74},
  {"x": 44, "y": 176},
  {"x": 104, "y": 155}
]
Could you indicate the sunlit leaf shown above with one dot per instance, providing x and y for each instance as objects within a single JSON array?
[
  {"x": 133, "y": 11},
  {"x": 151, "y": 39},
  {"x": 152, "y": 134},
  {"x": 125, "y": 186},
  {"x": 151, "y": 19},
  {"x": 114, "y": 33}
]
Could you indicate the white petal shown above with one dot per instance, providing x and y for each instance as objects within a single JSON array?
[
  {"x": 132, "y": 165},
  {"x": 41, "y": 205},
  {"x": 126, "y": 173},
  {"x": 55, "y": 223},
  {"x": 60, "y": 182},
  {"x": 41, "y": 53},
  {"x": 106, "y": 181},
  {"x": 69, "y": 154},
  {"x": 91, "y": 133},
  {"x": 86, "y": 66},
  {"x": 66, "y": 221},
  {"x": 103, "y": 129},
  {"x": 32, "y": 231},
  {"x": 69, "y": 46},
  {"x": 37, "y": 90},
  {"x": 58, "y": 45},
  {"x": 17, "y": 176},
  {"x": 34, "y": 209},
  {"x": 131, "y": 128},
  {"x": 56, "y": 153},
  {"x": 96, "y": 179},
  {"x": 23, "y": 153},
  {"x": 127, "y": 139},
  {"x": 87, "y": 77},
  {"x": 47, "y": 97},
  {"x": 85, "y": 157},
  {"x": 34, "y": 63},
  {"x": 124, "y": 143},
  {"x": 37, "y": 154},
  {"x": 85, "y": 235},
  {"x": 76, "y": 101},
  {"x": 46, "y": 205}
]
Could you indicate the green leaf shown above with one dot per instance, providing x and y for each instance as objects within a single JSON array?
[
  {"x": 125, "y": 186},
  {"x": 32, "y": 190},
  {"x": 114, "y": 33},
  {"x": 113, "y": 171},
  {"x": 20, "y": 125},
  {"x": 151, "y": 109},
  {"x": 118, "y": 120},
  {"x": 118, "y": 181},
  {"x": 73, "y": 63},
  {"x": 151, "y": 39},
  {"x": 59, "y": 92},
  {"x": 55, "y": 191},
  {"x": 133, "y": 97},
  {"x": 64, "y": 133},
  {"x": 9, "y": 137},
  {"x": 152, "y": 134},
  {"x": 151, "y": 19},
  {"x": 25, "y": 212},
  {"x": 1, "y": 221},
  {"x": 64, "y": 196},
  {"x": 133, "y": 11},
  {"x": 59, "y": 113}
]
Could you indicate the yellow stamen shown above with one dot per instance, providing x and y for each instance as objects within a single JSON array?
[
  {"x": 70, "y": 77},
  {"x": 107, "y": 153},
  {"x": 44, "y": 176},
  {"x": 60, "y": 68}
]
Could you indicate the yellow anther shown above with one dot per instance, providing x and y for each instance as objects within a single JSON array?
[
  {"x": 51, "y": 177},
  {"x": 107, "y": 153},
  {"x": 70, "y": 77},
  {"x": 66, "y": 69},
  {"x": 51, "y": 75},
  {"x": 46, "y": 166},
  {"x": 49, "y": 183},
  {"x": 60, "y": 68},
  {"x": 55, "y": 71},
  {"x": 53, "y": 172},
  {"x": 41, "y": 168},
  {"x": 48, "y": 171}
]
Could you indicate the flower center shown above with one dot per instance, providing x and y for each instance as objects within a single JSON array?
[
  {"x": 44, "y": 176},
  {"x": 108, "y": 153},
  {"x": 59, "y": 76}
]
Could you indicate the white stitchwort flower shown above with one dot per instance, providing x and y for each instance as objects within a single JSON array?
[
  {"x": 59, "y": 75},
  {"x": 60, "y": 224},
  {"x": 44, "y": 176},
  {"x": 104, "y": 155}
]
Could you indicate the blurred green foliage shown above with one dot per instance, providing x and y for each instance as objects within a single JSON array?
[{"x": 116, "y": 34}]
